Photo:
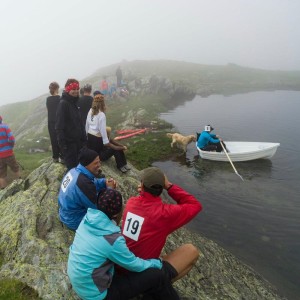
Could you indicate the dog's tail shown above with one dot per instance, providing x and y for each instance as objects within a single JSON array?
[{"x": 169, "y": 135}]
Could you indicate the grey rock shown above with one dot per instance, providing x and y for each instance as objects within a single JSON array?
[{"x": 34, "y": 245}]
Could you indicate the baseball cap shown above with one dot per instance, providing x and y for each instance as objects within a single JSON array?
[
  {"x": 97, "y": 93},
  {"x": 208, "y": 128},
  {"x": 152, "y": 176}
]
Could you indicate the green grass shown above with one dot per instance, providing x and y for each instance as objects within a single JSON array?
[
  {"x": 11, "y": 289},
  {"x": 143, "y": 150},
  {"x": 30, "y": 161}
]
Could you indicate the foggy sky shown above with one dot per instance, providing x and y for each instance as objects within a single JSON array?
[{"x": 43, "y": 41}]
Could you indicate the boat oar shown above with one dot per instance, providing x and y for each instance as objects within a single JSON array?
[{"x": 236, "y": 172}]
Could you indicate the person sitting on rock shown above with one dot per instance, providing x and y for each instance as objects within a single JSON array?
[
  {"x": 80, "y": 188},
  {"x": 98, "y": 245},
  {"x": 97, "y": 136},
  {"x": 147, "y": 221}
]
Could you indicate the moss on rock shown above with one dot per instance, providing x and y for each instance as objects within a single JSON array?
[{"x": 34, "y": 245}]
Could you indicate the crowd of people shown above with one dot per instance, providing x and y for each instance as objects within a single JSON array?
[{"x": 108, "y": 260}]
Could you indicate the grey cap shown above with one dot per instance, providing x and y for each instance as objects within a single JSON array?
[{"x": 152, "y": 176}]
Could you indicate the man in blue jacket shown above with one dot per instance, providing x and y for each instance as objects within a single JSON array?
[
  {"x": 80, "y": 188},
  {"x": 209, "y": 141}
]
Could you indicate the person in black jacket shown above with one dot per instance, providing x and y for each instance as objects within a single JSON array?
[
  {"x": 52, "y": 104},
  {"x": 69, "y": 128},
  {"x": 85, "y": 102},
  {"x": 119, "y": 76}
]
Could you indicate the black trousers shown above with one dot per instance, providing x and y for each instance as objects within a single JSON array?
[
  {"x": 54, "y": 143},
  {"x": 214, "y": 147},
  {"x": 71, "y": 153},
  {"x": 96, "y": 143},
  {"x": 153, "y": 282}
]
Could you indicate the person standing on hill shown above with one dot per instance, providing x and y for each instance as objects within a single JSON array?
[
  {"x": 85, "y": 102},
  {"x": 104, "y": 86},
  {"x": 69, "y": 127},
  {"x": 147, "y": 221},
  {"x": 119, "y": 76},
  {"x": 7, "y": 157},
  {"x": 52, "y": 104}
]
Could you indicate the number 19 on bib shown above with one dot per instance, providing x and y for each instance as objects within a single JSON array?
[{"x": 133, "y": 226}]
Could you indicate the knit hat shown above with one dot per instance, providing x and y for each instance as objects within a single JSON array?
[
  {"x": 86, "y": 156},
  {"x": 153, "y": 176},
  {"x": 110, "y": 202},
  {"x": 97, "y": 93}
]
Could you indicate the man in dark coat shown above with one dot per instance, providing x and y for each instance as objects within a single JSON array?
[
  {"x": 85, "y": 102},
  {"x": 69, "y": 127},
  {"x": 119, "y": 76}
]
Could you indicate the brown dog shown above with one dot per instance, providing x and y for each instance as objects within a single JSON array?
[{"x": 181, "y": 140}]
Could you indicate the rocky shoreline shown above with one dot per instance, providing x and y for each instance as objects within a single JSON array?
[{"x": 34, "y": 245}]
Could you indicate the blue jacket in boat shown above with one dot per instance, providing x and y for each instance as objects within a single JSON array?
[
  {"x": 206, "y": 138},
  {"x": 98, "y": 244},
  {"x": 78, "y": 191}
]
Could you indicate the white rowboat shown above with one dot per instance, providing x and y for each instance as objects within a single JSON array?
[{"x": 242, "y": 151}]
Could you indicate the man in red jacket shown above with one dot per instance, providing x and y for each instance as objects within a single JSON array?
[{"x": 147, "y": 221}]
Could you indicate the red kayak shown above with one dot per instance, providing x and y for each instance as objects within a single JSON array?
[
  {"x": 130, "y": 133},
  {"x": 127, "y": 131}
]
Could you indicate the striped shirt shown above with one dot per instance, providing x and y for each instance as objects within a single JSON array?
[{"x": 7, "y": 141}]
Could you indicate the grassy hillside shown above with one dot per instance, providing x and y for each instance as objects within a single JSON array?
[
  {"x": 222, "y": 78},
  {"x": 28, "y": 119}
]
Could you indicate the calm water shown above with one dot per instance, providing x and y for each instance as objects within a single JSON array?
[{"x": 257, "y": 220}]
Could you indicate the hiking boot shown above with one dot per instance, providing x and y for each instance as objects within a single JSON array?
[
  {"x": 127, "y": 167},
  {"x": 62, "y": 161},
  {"x": 123, "y": 169}
]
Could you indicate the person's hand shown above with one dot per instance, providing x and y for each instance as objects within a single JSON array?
[
  {"x": 168, "y": 184},
  {"x": 111, "y": 183},
  {"x": 139, "y": 188},
  {"x": 125, "y": 148}
]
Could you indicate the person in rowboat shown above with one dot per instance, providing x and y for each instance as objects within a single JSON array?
[{"x": 208, "y": 141}]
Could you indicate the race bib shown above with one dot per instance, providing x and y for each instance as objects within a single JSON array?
[
  {"x": 66, "y": 181},
  {"x": 133, "y": 226}
]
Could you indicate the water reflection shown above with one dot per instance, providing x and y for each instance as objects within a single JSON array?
[
  {"x": 203, "y": 168},
  {"x": 256, "y": 219}
]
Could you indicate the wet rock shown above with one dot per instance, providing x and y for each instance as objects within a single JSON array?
[{"x": 34, "y": 245}]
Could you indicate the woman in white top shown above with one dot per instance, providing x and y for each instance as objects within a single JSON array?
[{"x": 97, "y": 138}]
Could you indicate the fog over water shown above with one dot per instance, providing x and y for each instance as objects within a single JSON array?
[{"x": 47, "y": 40}]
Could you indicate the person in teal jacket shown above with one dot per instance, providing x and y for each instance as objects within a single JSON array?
[
  {"x": 208, "y": 141},
  {"x": 98, "y": 245}
]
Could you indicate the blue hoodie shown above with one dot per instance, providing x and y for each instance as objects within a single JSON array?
[
  {"x": 98, "y": 244},
  {"x": 206, "y": 138}
]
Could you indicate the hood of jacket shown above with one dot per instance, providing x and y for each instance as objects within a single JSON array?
[{"x": 98, "y": 223}]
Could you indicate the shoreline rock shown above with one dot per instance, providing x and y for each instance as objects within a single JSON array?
[{"x": 34, "y": 245}]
